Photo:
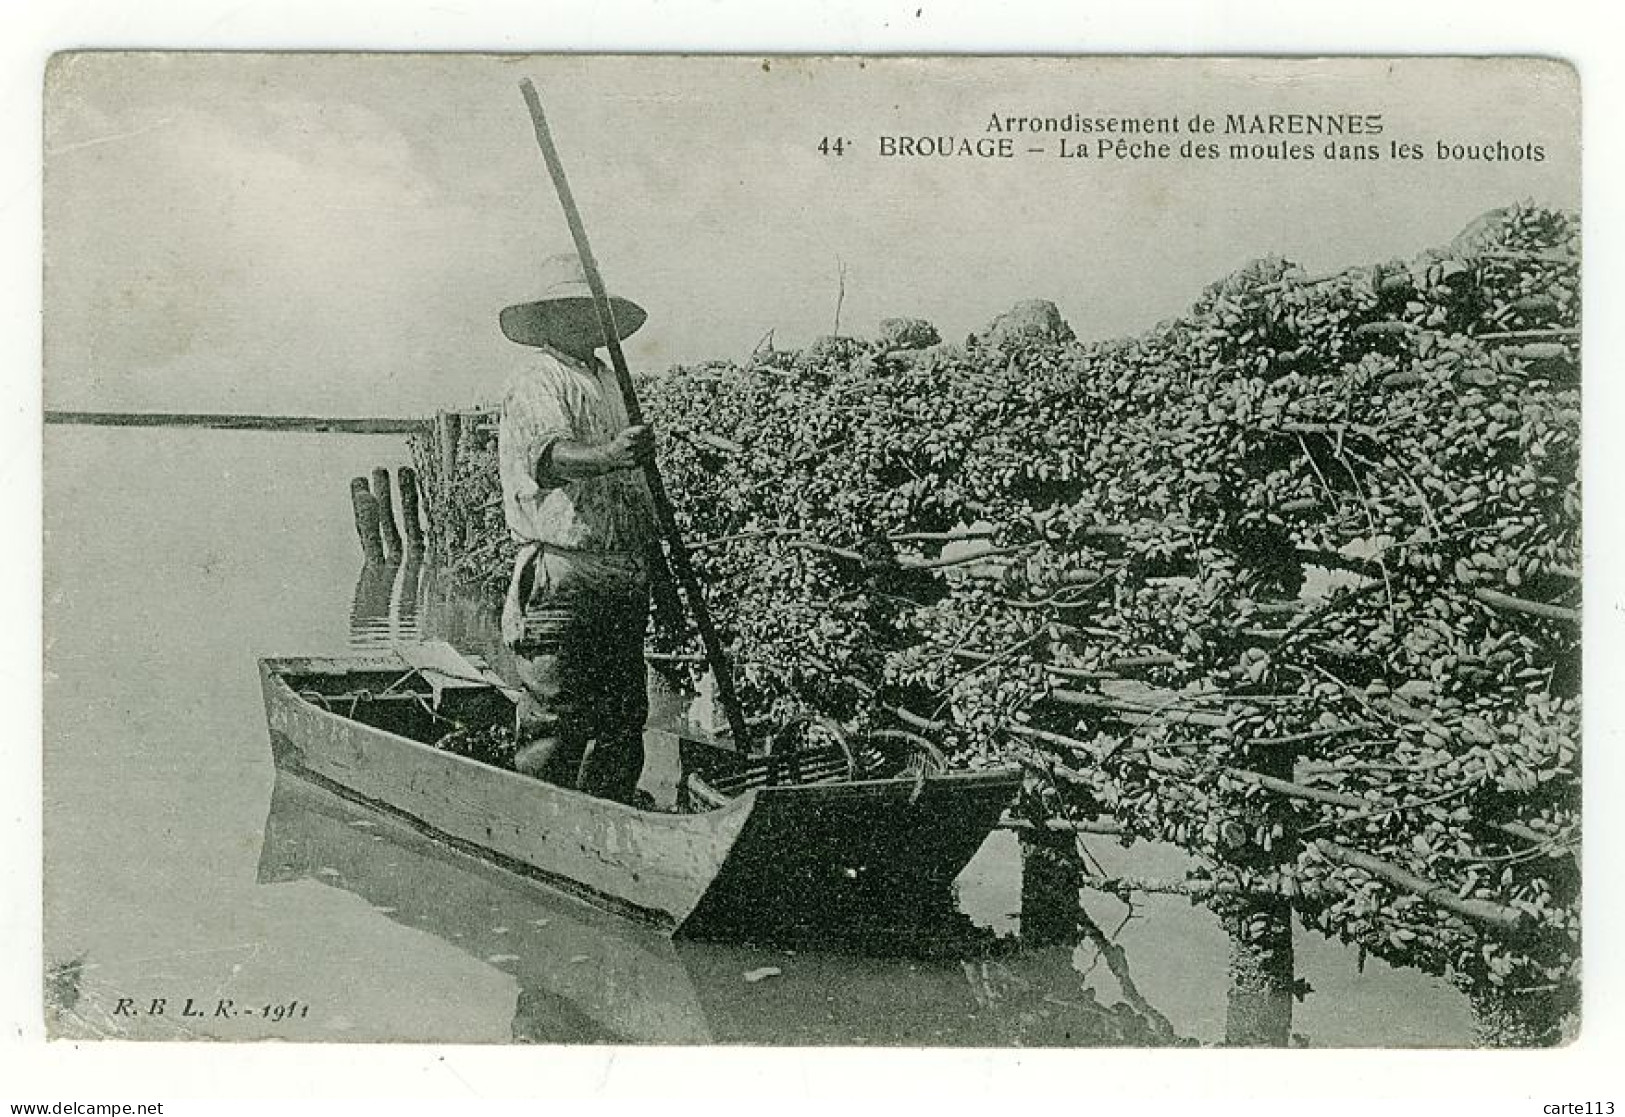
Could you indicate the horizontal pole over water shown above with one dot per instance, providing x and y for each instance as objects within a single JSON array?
[{"x": 345, "y": 425}]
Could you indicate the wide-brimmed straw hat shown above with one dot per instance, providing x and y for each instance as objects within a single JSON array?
[{"x": 566, "y": 306}]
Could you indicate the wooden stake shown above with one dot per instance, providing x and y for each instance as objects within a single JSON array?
[
  {"x": 1050, "y": 871},
  {"x": 407, "y": 478},
  {"x": 366, "y": 520},
  {"x": 1258, "y": 1004},
  {"x": 448, "y": 434},
  {"x": 386, "y": 513}
]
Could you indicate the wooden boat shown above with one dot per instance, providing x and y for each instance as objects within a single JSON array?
[
  {"x": 584, "y": 976},
  {"x": 776, "y": 858}
]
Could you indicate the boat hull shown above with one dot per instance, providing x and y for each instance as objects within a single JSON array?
[{"x": 772, "y": 860}]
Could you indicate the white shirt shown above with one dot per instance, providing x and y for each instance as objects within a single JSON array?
[{"x": 558, "y": 397}]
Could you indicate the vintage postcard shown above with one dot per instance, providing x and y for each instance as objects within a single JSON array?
[{"x": 812, "y": 550}]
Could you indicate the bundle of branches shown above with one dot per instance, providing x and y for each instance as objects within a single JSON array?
[
  {"x": 1291, "y": 580},
  {"x": 467, "y": 531}
]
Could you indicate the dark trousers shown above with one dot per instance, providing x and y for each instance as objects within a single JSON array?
[{"x": 581, "y": 724}]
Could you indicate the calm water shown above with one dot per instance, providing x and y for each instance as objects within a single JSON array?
[{"x": 179, "y": 868}]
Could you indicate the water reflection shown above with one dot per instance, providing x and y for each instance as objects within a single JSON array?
[
  {"x": 404, "y": 602},
  {"x": 388, "y": 603},
  {"x": 585, "y": 977},
  {"x": 1081, "y": 970},
  {"x": 588, "y": 977},
  {"x": 370, "y": 611},
  {"x": 1258, "y": 1000}
]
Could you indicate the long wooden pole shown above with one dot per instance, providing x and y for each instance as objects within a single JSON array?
[{"x": 677, "y": 556}]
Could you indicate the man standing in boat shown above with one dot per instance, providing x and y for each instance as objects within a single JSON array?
[{"x": 574, "y": 495}]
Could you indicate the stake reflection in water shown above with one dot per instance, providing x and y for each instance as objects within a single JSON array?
[
  {"x": 1258, "y": 1003},
  {"x": 388, "y": 602}
]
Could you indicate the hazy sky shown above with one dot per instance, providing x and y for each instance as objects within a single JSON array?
[{"x": 334, "y": 234}]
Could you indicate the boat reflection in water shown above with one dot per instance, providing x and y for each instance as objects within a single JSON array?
[{"x": 588, "y": 977}]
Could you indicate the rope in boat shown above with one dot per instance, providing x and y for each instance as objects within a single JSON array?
[
  {"x": 355, "y": 698},
  {"x": 390, "y": 689}
]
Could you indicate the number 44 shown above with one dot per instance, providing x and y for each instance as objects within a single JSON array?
[{"x": 827, "y": 146}]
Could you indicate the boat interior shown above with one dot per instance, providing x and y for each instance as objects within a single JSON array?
[
  {"x": 458, "y": 706},
  {"x": 405, "y": 701},
  {"x": 805, "y": 751}
]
